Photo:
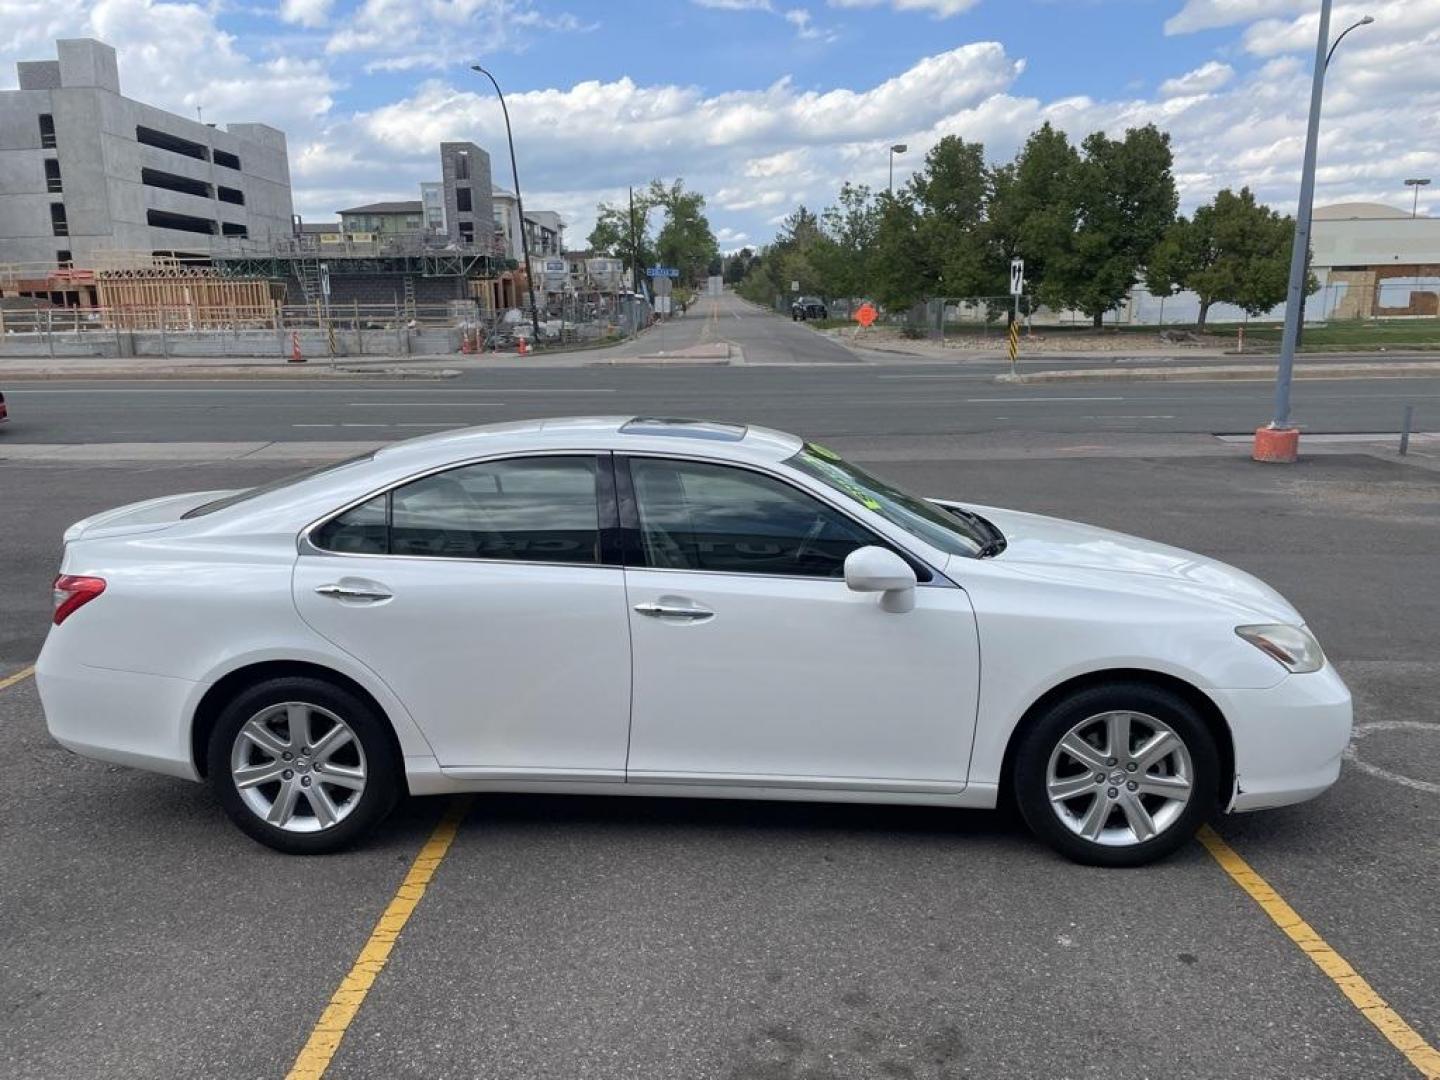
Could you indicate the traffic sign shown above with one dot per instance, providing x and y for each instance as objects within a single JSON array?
[
  {"x": 1017, "y": 277},
  {"x": 866, "y": 314},
  {"x": 662, "y": 272}
]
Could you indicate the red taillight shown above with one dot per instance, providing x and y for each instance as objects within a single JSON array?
[{"x": 73, "y": 593}]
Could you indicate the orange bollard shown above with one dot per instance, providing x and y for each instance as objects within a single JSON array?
[
  {"x": 296, "y": 357},
  {"x": 1280, "y": 445}
]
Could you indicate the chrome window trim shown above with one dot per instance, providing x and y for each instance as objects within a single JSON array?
[{"x": 305, "y": 546}]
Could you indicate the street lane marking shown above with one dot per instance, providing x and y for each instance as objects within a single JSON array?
[
  {"x": 1352, "y": 753},
  {"x": 1034, "y": 400},
  {"x": 19, "y": 677},
  {"x": 1362, "y": 995},
  {"x": 319, "y": 1049}
]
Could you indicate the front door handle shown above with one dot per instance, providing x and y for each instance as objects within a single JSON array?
[
  {"x": 687, "y": 612},
  {"x": 368, "y": 593}
]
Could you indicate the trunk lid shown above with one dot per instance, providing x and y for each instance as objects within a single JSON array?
[{"x": 151, "y": 515}]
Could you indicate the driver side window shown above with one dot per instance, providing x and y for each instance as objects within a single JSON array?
[{"x": 697, "y": 516}]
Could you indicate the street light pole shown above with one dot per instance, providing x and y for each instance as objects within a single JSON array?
[
  {"x": 1279, "y": 441},
  {"x": 1417, "y": 183},
  {"x": 898, "y": 148},
  {"x": 1304, "y": 297},
  {"x": 519, "y": 205}
]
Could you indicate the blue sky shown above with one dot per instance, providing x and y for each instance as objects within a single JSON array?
[{"x": 761, "y": 104}]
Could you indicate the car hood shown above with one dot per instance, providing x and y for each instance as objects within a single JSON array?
[{"x": 1044, "y": 546}]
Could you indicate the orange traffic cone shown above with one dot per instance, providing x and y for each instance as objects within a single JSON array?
[{"x": 296, "y": 357}]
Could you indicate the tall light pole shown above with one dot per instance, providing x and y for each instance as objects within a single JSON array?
[
  {"x": 1304, "y": 297},
  {"x": 1279, "y": 440},
  {"x": 1417, "y": 184},
  {"x": 519, "y": 205},
  {"x": 898, "y": 148}
]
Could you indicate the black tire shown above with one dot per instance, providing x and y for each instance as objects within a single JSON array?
[
  {"x": 382, "y": 782},
  {"x": 1032, "y": 761}
]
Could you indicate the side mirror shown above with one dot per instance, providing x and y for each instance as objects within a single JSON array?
[{"x": 874, "y": 569}]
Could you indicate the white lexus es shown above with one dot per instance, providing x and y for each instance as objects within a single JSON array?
[{"x": 675, "y": 607}]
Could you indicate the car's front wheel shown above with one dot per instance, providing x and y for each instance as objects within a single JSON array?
[
  {"x": 302, "y": 765},
  {"x": 1117, "y": 775}
]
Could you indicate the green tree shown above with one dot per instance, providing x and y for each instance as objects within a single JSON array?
[
  {"x": 901, "y": 269},
  {"x": 615, "y": 226},
  {"x": 737, "y": 265},
  {"x": 686, "y": 240},
  {"x": 1124, "y": 200},
  {"x": 843, "y": 250},
  {"x": 952, "y": 190},
  {"x": 1232, "y": 251},
  {"x": 1032, "y": 208}
]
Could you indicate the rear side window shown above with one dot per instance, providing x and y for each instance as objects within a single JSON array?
[
  {"x": 362, "y": 530},
  {"x": 539, "y": 509}
]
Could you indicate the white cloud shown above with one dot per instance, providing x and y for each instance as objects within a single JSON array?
[
  {"x": 1203, "y": 80},
  {"x": 176, "y": 56},
  {"x": 730, "y": 238},
  {"x": 941, "y": 9},
  {"x": 416, "y": 31},
  {"x": 310, "y": 13},
  {"x": 1212, "y": 14}
]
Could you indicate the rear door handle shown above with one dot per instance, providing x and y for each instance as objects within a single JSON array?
[
  {"x": 368, "y": 593},
  {"x": 689, "y": 613}
]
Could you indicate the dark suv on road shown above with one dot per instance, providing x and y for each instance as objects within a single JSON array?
[{"x": 808, "y": 307}]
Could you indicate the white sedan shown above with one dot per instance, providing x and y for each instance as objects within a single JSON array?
[{"x": 671, "y": 607}]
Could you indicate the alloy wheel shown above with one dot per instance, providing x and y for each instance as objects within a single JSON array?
[
  {"x": 1119, "y": 778},
  {"x": 298, "y": 767}
]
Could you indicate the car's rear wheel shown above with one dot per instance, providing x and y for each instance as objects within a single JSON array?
[
  {"x": 1117, "y": 775},
  {"x": 302, "y": 765}
]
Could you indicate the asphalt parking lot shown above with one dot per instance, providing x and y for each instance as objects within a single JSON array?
[{"x": 566, "y": 937}]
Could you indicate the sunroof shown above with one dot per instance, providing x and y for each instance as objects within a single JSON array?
[{"x": 684, "y": 429}]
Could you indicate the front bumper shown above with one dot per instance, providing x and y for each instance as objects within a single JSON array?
[
  {"x": 1288, "y": 739},
  {"x": 118, "y": 716}
]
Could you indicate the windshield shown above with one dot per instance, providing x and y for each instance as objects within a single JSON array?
[
  {"x": 227, "y": 501},
  {"x": 952, "y": 534}
]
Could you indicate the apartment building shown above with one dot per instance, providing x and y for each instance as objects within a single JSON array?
[{"x": 86, "y": 171}]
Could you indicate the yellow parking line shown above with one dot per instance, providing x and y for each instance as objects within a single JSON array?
[
  {"x": 19, "y": 676},
  {"x": 1361, "y": 994},
  {"x": 325, "y": 1038}
]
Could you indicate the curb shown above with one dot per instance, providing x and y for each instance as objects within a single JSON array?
[
  {"x": 302, "y": 372},
  {"x": 1266, "y": 373}
]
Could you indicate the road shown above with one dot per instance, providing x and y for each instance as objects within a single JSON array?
[
  {"x": 582, "y": 938},
  {"x": 854, "y": 400}
]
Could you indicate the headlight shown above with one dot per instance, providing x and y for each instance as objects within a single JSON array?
[{"x": 1292, "y": 646}]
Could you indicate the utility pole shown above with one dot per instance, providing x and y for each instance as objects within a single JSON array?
[
  {"x": 634, "y": 249},
  {"x": 1279, "y": 440}
]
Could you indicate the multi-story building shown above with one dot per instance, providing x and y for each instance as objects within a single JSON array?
[
  {"x": 385, "y": 218},
  {"x": 465, "y": 184},
  {"x": 86, "y": 171},
  {"x": 544, "y": 229}
]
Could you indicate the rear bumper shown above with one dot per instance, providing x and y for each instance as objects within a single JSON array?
[
  {"x": 118, "y": 716},
  {"x": 1288, "y": 739}
]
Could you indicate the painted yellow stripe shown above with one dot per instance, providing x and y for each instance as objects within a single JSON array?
[
  {"x": 1362, "y": 995},
  {"x": 19, "y": 676},
  {"x": 325, "y": 1038}
]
